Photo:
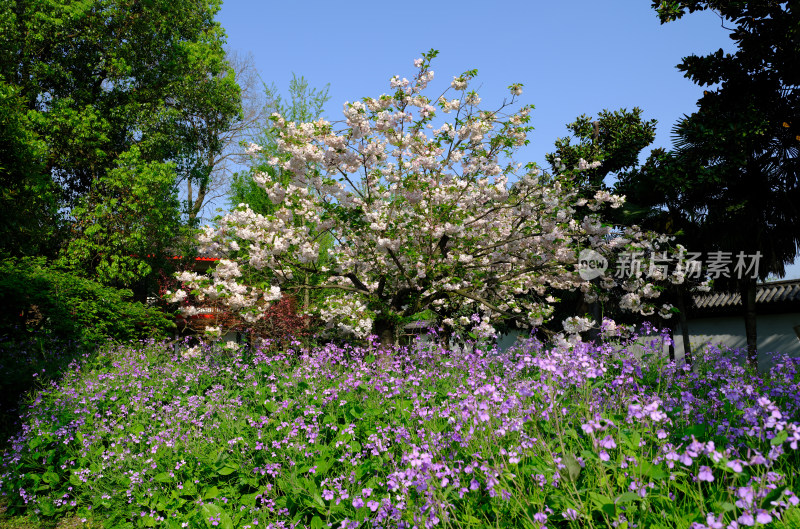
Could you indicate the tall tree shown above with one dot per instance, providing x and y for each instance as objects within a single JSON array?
[
  {"x": 601, "y": 148},
  {"x": 125, "y": 225},
  {"x": 97, "y": 77},
  {"x": 221, "y": 163},
  {"x": 28, "y": 209},
  {"x": 662, "y": 196},
  {"x": 744, "y": 138},
  {"x": 423, "y": 218},
  {"x": 615, "y": 140},
  {"x": 304, "y": 104}
]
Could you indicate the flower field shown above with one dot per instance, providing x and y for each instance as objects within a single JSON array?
[{"x": 576, "y": 436}]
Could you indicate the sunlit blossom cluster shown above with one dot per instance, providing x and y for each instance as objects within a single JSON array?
[{"x": 425, "y": 214}]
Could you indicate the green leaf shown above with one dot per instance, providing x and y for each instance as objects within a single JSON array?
[
  {"x": 699, "y": 431},
  {"x": 50, "y": 477},
  {"x": 603, "y": 503},
  {"x": 222, "y": 456},
  {"x": 652, "y": 471},
  {"x": 323, "y": 465},
  {"x": 210, "y": 510},
  {"x": 189, "y": 489},
  {"x": 163, "y": 477},
  {"x": 227, "y": 469},
  {"x": 724, "y": 506},
  {"x": 774, "y": 494},
  {"x": 318, "y": 523},
  {"x": 47, "y": 507},
  {"x": 627, "y": 497},
  {"x": 600, "y": 499},
  {"x": 780, "y": 438},
  {"x": 211, "y": 493},
  {"x": 472, "y": 521},
  {"x": 573, "y": 467}
]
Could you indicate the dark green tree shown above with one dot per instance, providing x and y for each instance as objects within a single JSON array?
[
  {"x": 662, "y": 196},
  {"x": 95, "y": 78},
  {"x": 615, "y": 139},
  {"x": 743, "y": 140},
  {"x": 28, "y": 209},
  {"x": 125, "y": 225}
]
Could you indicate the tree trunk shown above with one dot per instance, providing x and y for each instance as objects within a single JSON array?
[
  {"x": 581, "y": 306},
  {"x": 385, "y": 330},
  {"x": 198, "y": 203},
  {"x": 687, "y": 347},
  {"x": 189, "y": 198},
  {"x": 748, "y": 293},
  {"x": 584, "y": 308},
  {"x": 306, "y": 293},
  {"x": 594, "y": 332}
]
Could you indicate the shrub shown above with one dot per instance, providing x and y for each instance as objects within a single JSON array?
[{"x": 37, "y": 299}]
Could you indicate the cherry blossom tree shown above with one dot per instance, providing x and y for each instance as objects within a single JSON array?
[{"x": 426, "y": 213}]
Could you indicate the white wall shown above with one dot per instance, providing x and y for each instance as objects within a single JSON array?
[
  {"x": 505, "y": 341},
  {"x": 775, "y": 334}
]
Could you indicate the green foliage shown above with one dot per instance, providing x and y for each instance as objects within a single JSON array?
[
  {"x": 28, "y": 363},
  {"x": 200, "y": 438},
  {"x": 126, "y": 222},
  {"x": 615, "y": 139},
  {"x": 743, "y": 141},
  {"x": 39, "y": 300},
  {"x": 101, "y": 76},
  {"x": 304, "y": 105},
  {"x": 82, "y": 82},
  {"x": 26, "y": 194},
  {"x": 734, "y": 178}
]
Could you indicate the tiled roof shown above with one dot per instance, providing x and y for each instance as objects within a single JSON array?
[
  {"x": 421, "y": 325},
  {"x": 783, "y": 292}
]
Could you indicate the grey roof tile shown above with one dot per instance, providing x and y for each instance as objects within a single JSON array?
[{"x": 766, "y": 293}]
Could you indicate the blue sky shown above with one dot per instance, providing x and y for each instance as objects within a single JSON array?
[{"x": 573, "y": 56}]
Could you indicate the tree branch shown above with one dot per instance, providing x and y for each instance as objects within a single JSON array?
[
  {"x": 357, "y": 283},
  {"x": 399, "y": 264},
  {"x": 486, "y": 303},
  {"x": 442, "y": 245}
]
